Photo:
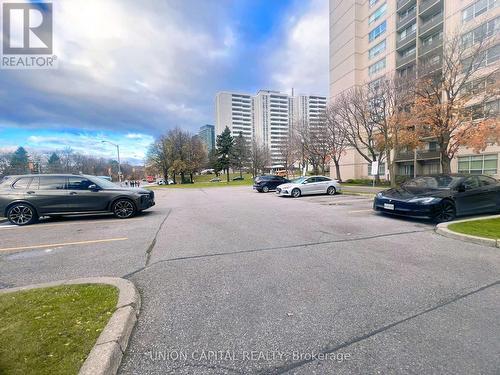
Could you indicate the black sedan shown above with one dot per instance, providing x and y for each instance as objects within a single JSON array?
[
  {"x": 266, "y": 183},
  {"x": 441, "y": 197}
]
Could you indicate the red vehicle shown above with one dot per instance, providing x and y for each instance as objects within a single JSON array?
[{"x": 150, "y": 179}]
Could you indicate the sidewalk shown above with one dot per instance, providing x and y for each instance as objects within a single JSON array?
[{"x": 363, "y": 189}]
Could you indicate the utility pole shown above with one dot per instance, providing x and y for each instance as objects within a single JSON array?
[{"x": 119, "y": 163}]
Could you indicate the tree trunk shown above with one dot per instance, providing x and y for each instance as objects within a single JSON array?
[
  {"x": 227, "y": 174},
  {"x": 445, "y": 163},
  {"x": 337, "y": 169},
  {"x": 241, "y": 172},
  {"x": 182, "y": 177},
  {"x": 191, "y": 176},
  {"x": 173, "y": 175}
]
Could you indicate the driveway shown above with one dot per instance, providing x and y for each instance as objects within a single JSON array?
[{"x": 237, "y": 282}]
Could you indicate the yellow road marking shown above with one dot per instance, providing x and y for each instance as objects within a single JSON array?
[
  {"x": 63, "y": 244},
  {"x": 42, "y": 225}
]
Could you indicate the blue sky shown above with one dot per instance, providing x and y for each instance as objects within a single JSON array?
[{"x": 130, "y": 70}]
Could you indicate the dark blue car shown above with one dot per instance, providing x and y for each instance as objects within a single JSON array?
[
  {"x": 266, "y": 183},
  {"x": 441, "y": 197}
]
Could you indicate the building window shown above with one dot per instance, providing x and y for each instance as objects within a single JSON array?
[
  {"x": 407, "y": 12},
  {"x": 377, "y": 67},
  {"x": 477, "y": 8},
  {"x": 478, "y": 164},
  {"x": 408, "y": 52},
  {"x": 377, "y": 31},
  {"x": 430, "y": 39},
  {"x": 410, "y": 30},
  {"x": 373, "y": 2},
  {"x": 377, "y": 49},
  {"x": 381, "y": 169},
  {"x": 377, "y": 14},
  {"x": 481, "y": 32}
]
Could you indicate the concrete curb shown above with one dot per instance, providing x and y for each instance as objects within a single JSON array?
[
  {"x": 3, "y": 220},
  {"x": 443, "y": 230},
  {"x": 106, "y": 355},
  {"x": 350, "y": 192}
]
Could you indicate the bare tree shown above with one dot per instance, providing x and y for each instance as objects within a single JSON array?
[
  {"x": 447, "y": 106},
  {"x": 336, "y": 137},
  {"x": 259, "y": 158},
  {"x": 354, "y": 116}
]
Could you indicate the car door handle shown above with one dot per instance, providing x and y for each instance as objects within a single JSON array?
[
  {"x": 30, "y": 192},
  {"x": 73, "y": 193}
]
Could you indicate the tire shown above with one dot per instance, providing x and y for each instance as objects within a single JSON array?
[
  {"x": 331, "y": 190},
  {"x": 123, "y": 208},
  {"x": 447, "y": 212},
  {"x": 296, "y": 193},
  {"x": 22, "y": 214},
  {"x": 265, "y": 189}
]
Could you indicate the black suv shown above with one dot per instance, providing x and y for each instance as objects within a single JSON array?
[
  {"x": 23, "y": 199},
  {"x": 265, "y": 183}
]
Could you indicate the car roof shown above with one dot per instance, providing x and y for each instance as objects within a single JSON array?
[{"x": 50, "y": 175}]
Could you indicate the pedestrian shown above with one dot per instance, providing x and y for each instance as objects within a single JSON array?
[{"x": 138, "y": 183}]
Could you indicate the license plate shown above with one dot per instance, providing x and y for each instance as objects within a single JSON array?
[{"x": 388, "y": 206}]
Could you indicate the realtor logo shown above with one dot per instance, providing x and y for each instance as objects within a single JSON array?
[
  {"x": 27, "y": 28},
  {"x": 27, "y": 36}
]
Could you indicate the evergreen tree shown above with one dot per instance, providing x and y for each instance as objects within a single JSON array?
[
  {"x": 19, "y": 163},
  {"x": 225, "y": 145},
  {"x": 54, "y": 163}
]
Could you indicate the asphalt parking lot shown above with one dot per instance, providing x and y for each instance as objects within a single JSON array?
[{"x": 234, "y": 281}]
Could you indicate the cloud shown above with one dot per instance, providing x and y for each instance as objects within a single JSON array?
[
  {"x": 301, "y": 57},
  {"x": 125, "y": 65}
]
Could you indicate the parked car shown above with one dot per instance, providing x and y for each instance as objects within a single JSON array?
[
  {"x": 215, "y": 179},
  {"x": 441, "y": 197},
  {"x": 23, "y": 199},
  {"x": 238, "y": 178},
  {"x": 266, "y": 183},
  {"x": 162, "y": 181},
  {"x": 309, "y": 185}
]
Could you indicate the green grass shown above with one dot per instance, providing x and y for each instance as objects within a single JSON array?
[
  {"x": 52, "y": 330},
  {"x": 203, "y": 181},
  {"x": 489, "y": 228}
]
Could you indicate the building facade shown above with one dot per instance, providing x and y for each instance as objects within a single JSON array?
[
  {"x": 234, "y": 110},
  {"x": 272, "y": 115},
  {"x": 207, "y": 136},
  {"x": 370, "y": 39}
]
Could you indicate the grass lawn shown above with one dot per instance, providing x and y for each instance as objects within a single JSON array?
[
  {"x": 489, "y": 228},
  {"x": 203, "y": 181},
  {"x": 52, "y": 330}
]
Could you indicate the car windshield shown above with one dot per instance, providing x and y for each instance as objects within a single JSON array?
[
  {"x": 299, "y": 180},
  {"x": 105, "y": 184},
  {"x": 433, "y": 182}
]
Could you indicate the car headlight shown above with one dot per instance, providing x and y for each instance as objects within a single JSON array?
[{"x": 425, "y": 200}]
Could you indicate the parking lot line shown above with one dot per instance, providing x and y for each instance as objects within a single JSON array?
[
  {"x": 353, "y": 212},
  {"x": 63, "y": 244},
  {"x": 42, "y": 225}
]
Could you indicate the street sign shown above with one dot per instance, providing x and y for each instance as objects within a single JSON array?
[{"x": 375, "y": 167}]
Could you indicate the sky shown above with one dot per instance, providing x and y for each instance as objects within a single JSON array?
[{"x": 128, "y": 71}]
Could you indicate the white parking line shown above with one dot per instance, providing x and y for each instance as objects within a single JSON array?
[
  {"x": 352, "y": 212},
  {"x": 62, "y": 244},
  {"x": 43, "y": 225}
]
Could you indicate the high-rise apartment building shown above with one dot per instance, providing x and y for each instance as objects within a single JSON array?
[
  {"x": 370, "y": 39},
  {"x": 272, "y": 114},
  {"x": 234, "y": 110},
  {"x": 207, "y": 136}
]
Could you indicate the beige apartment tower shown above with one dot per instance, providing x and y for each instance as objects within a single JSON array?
[{"x": 370, "y": 39}]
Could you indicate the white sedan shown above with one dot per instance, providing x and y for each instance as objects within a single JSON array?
[{"x": 309, "y": 185}]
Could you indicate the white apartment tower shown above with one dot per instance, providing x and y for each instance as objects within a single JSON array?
[
  {"x": 266, "y": 117},
  {"x": 373, "y": 38},
  {"x": 234, "y": 110}
]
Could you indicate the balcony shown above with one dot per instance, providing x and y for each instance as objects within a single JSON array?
[
  {"x": 427, "y": 27},
  {"x": 428, "y": 7},
  {"x": 421, "y": 155},
  {"x": 404, "y": 156},
  {"x": 406, "y": 42},
  {"x": 406, "y": 20},
  {"x": 403, "y": 4},
  {"x": 401, "y": 61},
  {"x": 436, "y": 43}
]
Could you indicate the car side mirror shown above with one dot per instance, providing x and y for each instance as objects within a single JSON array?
[{"x": 93, "y": 187}]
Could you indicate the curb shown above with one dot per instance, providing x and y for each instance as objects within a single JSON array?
[
  {"x": 443, "y": 230},
  {"x": 106, "y": 355},
  {"x": 349, "y": 192},
  {"x": 3, "y": 220}
]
